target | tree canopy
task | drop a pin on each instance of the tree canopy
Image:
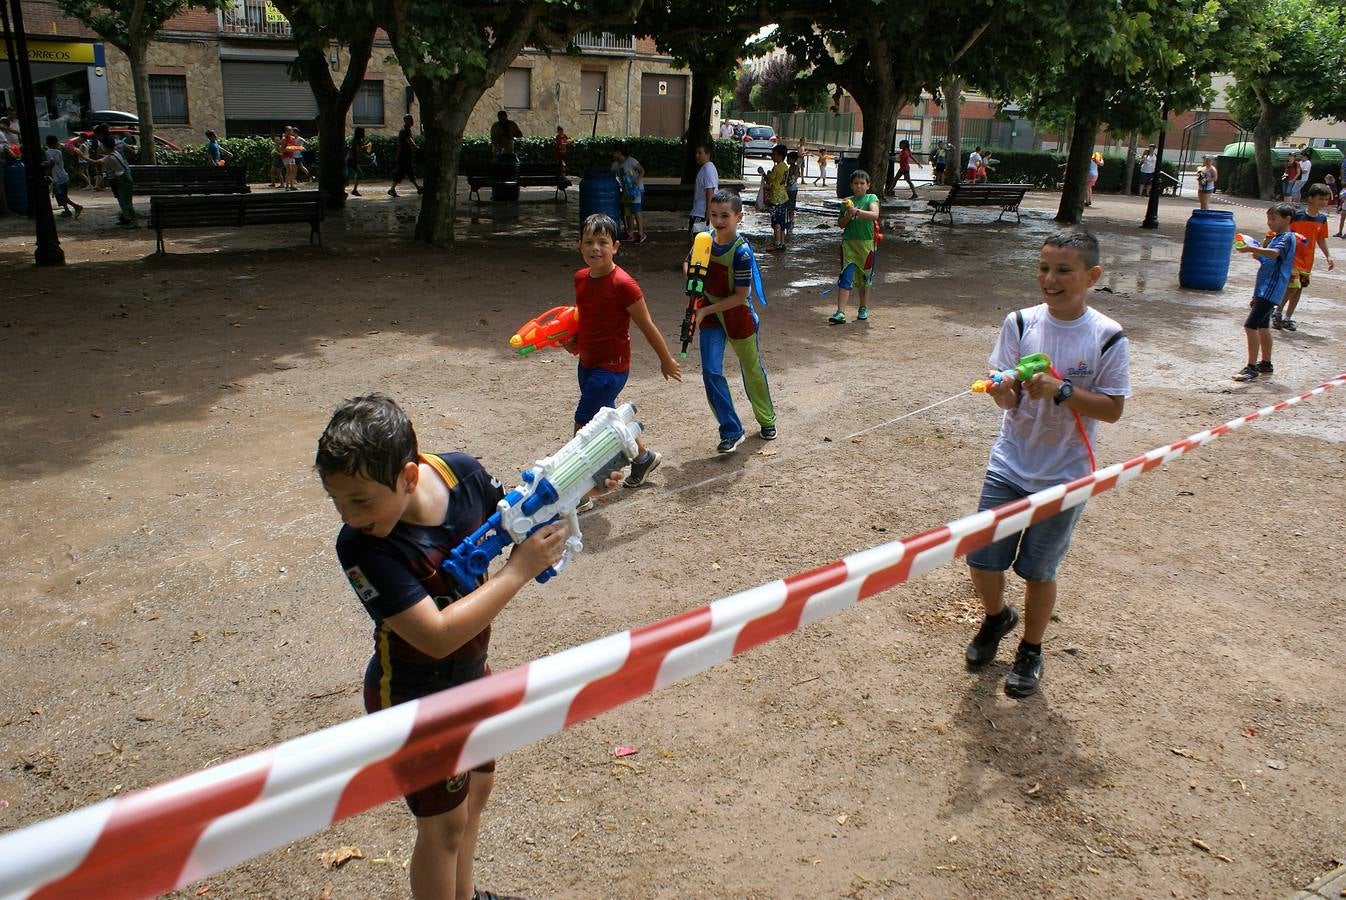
(1292, 68)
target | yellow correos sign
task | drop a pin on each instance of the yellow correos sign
(58, 52)
(275, 16)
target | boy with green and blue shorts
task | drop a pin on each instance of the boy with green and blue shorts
(858, 217)
(728, 318)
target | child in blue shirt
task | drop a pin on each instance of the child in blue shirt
(1277, 260)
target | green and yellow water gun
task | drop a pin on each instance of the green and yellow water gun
(1028, 367)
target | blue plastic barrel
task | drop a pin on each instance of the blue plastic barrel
(1206, 246)
(600, 192)
(16, 186)
(845, 169)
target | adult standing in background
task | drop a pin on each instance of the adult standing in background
(503, 134)
(1149, 161)
(1305, 166)
(406, 157)
(707, 183)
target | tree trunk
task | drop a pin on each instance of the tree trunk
(1073, 191)
(140, 80)
(333, 105)
(953, 123)
(876, 143)
(445, 107)
(1262, 141)
(698, 123)
(1130, 172)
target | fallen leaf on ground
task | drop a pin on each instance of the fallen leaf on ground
(841, 819)
(1200, 844)
(1035, 789)
(1183, 751)
(335, 859)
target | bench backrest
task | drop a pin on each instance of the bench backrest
(189, 179)
(989, 193)
(235, 209)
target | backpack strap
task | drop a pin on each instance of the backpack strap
(1019, 320)
(1114, 338)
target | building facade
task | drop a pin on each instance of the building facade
(229, 72)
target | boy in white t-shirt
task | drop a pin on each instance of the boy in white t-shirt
(1045, 439)
(707, 183)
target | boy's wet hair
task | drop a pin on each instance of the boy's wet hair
(1284, 210)
(370, 437)
(597, 224)
(861, 173)
(1318, 190)
(1082, 242)
(724, 195)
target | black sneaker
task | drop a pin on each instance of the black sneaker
(729, 445)
(768, 432)
(1276, 321)
(1265, 367)
(641, 467)
(1022, 681)
(1290, 325)
(983, 648)
(1247, 373)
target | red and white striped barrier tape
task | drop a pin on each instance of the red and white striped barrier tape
(164, 837)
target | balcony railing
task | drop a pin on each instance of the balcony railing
(604, 42)
(254, 17)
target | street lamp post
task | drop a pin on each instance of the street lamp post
(1152, 208)
(48, 252)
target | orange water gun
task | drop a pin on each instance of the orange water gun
(554, 328)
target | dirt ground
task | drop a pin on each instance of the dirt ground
(172, 599)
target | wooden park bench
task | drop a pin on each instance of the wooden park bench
(235, 211)
(1006, 196)
(177, 180)
(515, 175)
(667, 197)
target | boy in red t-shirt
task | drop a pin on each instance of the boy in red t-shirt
(1310, 223)
(608, 299)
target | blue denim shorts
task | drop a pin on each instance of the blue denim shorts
(598, 388)
(1037, 551)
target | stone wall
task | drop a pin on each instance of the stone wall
(550, 107)
(554, 95)
(199, 61)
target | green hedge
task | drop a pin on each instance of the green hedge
(661, 157)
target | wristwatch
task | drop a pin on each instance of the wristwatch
(1065, 393)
